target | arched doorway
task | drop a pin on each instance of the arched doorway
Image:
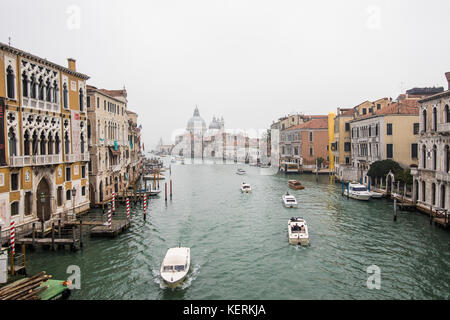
(43, 200)
(100, 190)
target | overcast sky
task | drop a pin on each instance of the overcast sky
(249, 61)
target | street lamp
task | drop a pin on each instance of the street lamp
(74, 192)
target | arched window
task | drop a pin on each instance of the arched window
(434, 157)
(433, 194)
(447, 113)
(443, 204)
(424, 157)
(434, 119)
(65, 98)
(423, 191)
(12, 142)
(81, 99)
(82, 143)
(67, 143)
(57, 144)
(34, 143)
(43, 142)
(10, 87)
(26, 143)
(89, 129)
(55, 92)
(41, 88)
(25, 85)
(50, 144)
(447, 158)
(33, 87)
(424, 120)
(48, 91)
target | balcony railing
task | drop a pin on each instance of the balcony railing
(77, 157)
(444, 127)
(37, 160)
(42, 105)
(443, 176)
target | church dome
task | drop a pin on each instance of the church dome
(196, 123)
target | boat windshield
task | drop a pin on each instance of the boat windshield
(245, 187)
(359, 189)
(168, 268)
(179, 268)
(290, 200)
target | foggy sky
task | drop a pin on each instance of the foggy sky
(248, 61)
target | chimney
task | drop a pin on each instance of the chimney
(71, 63)
(447, 75)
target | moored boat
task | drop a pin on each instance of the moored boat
(175, 266)
(357, 191)
(298, 231)
(375, 195)
(240, 171)
(296, 185)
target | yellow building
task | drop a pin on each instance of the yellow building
(43, 162)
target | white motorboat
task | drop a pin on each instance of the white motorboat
(240, 171)
(357, 191)
(298, 231)
(175, 266)
(245, 188)
(289, 200)
(375, 195)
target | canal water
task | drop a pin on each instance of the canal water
(239, 245)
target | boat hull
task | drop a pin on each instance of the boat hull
(174, 284)
(299, 241)
(363, 197)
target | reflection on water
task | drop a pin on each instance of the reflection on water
(239, 244)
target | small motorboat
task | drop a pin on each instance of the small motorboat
(175, 266)
(357, 191)
(151, 192)
(245, 188)
(298, 231)
(289, 200)
(240, 171)
(375, 195)
(296, 185)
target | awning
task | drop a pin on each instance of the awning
(114, 152)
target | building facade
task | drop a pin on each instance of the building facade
(432, 177)
(108, 143)
(44, 150)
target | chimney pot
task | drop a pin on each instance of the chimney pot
(72, 64)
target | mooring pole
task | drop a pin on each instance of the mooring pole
(170, 189)
(53, 236)
(348, 189)
(81, 233)
(343, 187)
(395, 209)
(33, 234)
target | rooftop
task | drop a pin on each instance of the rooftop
(321, 123)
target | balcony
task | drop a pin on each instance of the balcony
(40, 105)
(443, 176)
(116, 168)
(77, 157)
(444, 128)
(38, 160)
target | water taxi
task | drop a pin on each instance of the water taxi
(175, 266)
(298, 231)
(296, 185)
(289, 200)
(357, 191)
(245, 188)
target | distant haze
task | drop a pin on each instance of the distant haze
(248, 61)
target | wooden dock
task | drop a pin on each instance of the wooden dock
(117, 227)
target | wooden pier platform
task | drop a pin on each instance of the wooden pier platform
(48, 242)
(117, 227)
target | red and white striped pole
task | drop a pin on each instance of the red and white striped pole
(109, 218)
(12, 241)
(128, 209)
(145, 204)
(114, 202)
